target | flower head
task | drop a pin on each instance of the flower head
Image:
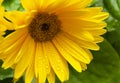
(50, 34)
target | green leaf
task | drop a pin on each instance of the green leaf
(21, 80)
(113, 7)
(7, 80)
(12, 5)
(103, 69)
(97, 3)
(10, 80)
(113, 23)
(113, 38)
(5, 73)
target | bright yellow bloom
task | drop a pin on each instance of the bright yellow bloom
(50, 34)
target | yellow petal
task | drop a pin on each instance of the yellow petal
(6, 25)
(21, 18)
(57, 62)
(22, 64)
(89, 53)
(1, 1)
(2, 28)
(83, 43)
(51, 77)
(43, 4)
(74, 49)
(11, 39)
(84, 66)
(82, 13)
(29, 74)
(71, 5)
(75, 63)
(9, 61)
(55, 6)
(98, 32)
(2, 10)
(29, 4)
(101, 16)
(98, 39)
(10, 55)
(22, 50)
(30, 71)
(1, 37)
(79, 3)
(84, 35)
(42, 67)
(82, 24)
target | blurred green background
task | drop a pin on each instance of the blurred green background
(105, 67)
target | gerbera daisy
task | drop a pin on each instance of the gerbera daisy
(50, 34)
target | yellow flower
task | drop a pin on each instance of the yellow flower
(50, 34)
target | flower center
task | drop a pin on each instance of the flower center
(44, 26)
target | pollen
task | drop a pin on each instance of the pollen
(44, 27)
